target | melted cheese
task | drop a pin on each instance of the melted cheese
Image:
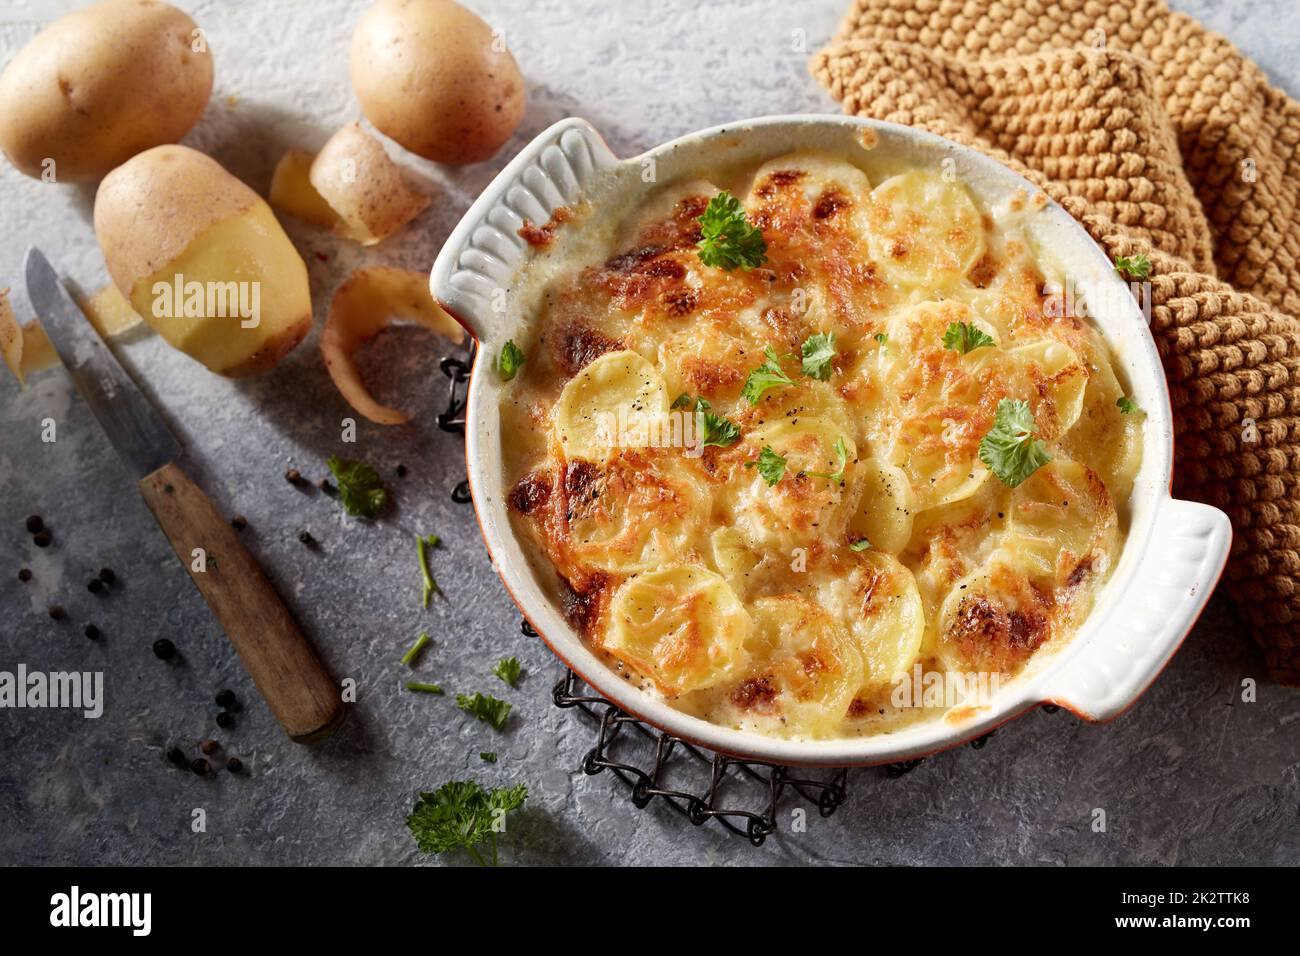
(793, 603)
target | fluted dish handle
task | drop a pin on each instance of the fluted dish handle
(1164, 595)
(483, 253)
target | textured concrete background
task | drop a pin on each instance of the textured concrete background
(1192, 775)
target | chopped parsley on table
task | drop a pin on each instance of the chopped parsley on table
(486, 708)
(422, 546)
(508, 670)
(360, 489)
(462, 815)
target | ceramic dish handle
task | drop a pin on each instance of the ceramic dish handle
(472, 275)
(1166, 593)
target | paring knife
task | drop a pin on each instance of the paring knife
(281, 662)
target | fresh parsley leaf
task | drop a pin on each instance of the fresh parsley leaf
(413, 652)
(508, 670)
(1010, 449)
(964, 338)
(818, 353)
(719, 431)
(728, 241)
(508, 362)
(1127, 405)
(1133, 267)
(683, 401)
(462, 815)
(422, 546)
(860, 545)
(715, 429)
(842, 453)
(770, 465)
(881, 338)
(487, 756)
(486, 708)
(767, 376)
(424, 688)
(360, 489)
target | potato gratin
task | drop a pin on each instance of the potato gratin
(789, 451)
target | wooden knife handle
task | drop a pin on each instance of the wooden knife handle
(278, 657)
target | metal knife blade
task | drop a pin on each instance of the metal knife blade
(133, 426)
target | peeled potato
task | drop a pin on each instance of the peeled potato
(26, 349)
(202, 259)
(436, 78)
(350, 186)
(100, 85)
(362, 308)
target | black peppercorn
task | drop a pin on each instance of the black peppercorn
(234, 765)
(326, 486)
(95, 585)
(401, 471)
(42, 538)
(24, 574)
(35, 524)
(58, 613)
(92, 632)
(224, 720)
(225, 697)
(239, 522)
(306, 538)
(209, 746)
(201, 767)
(177, 756)
(293, 476)
(107, 576)
(164, 649)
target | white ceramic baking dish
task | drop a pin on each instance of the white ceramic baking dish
(1175, 549)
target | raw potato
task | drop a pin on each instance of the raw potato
(362, 308)
(100, 85)
(172, 216)
(350, 186)
(27, 349)
(434, 77)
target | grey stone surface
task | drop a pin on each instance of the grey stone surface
(1190, 775)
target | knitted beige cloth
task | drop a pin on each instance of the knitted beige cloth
(1161, 138)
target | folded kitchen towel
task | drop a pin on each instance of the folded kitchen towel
(1160, 138)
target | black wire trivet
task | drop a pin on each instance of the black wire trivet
(655, 764)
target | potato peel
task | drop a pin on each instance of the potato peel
(364, 306)
(351, 186)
